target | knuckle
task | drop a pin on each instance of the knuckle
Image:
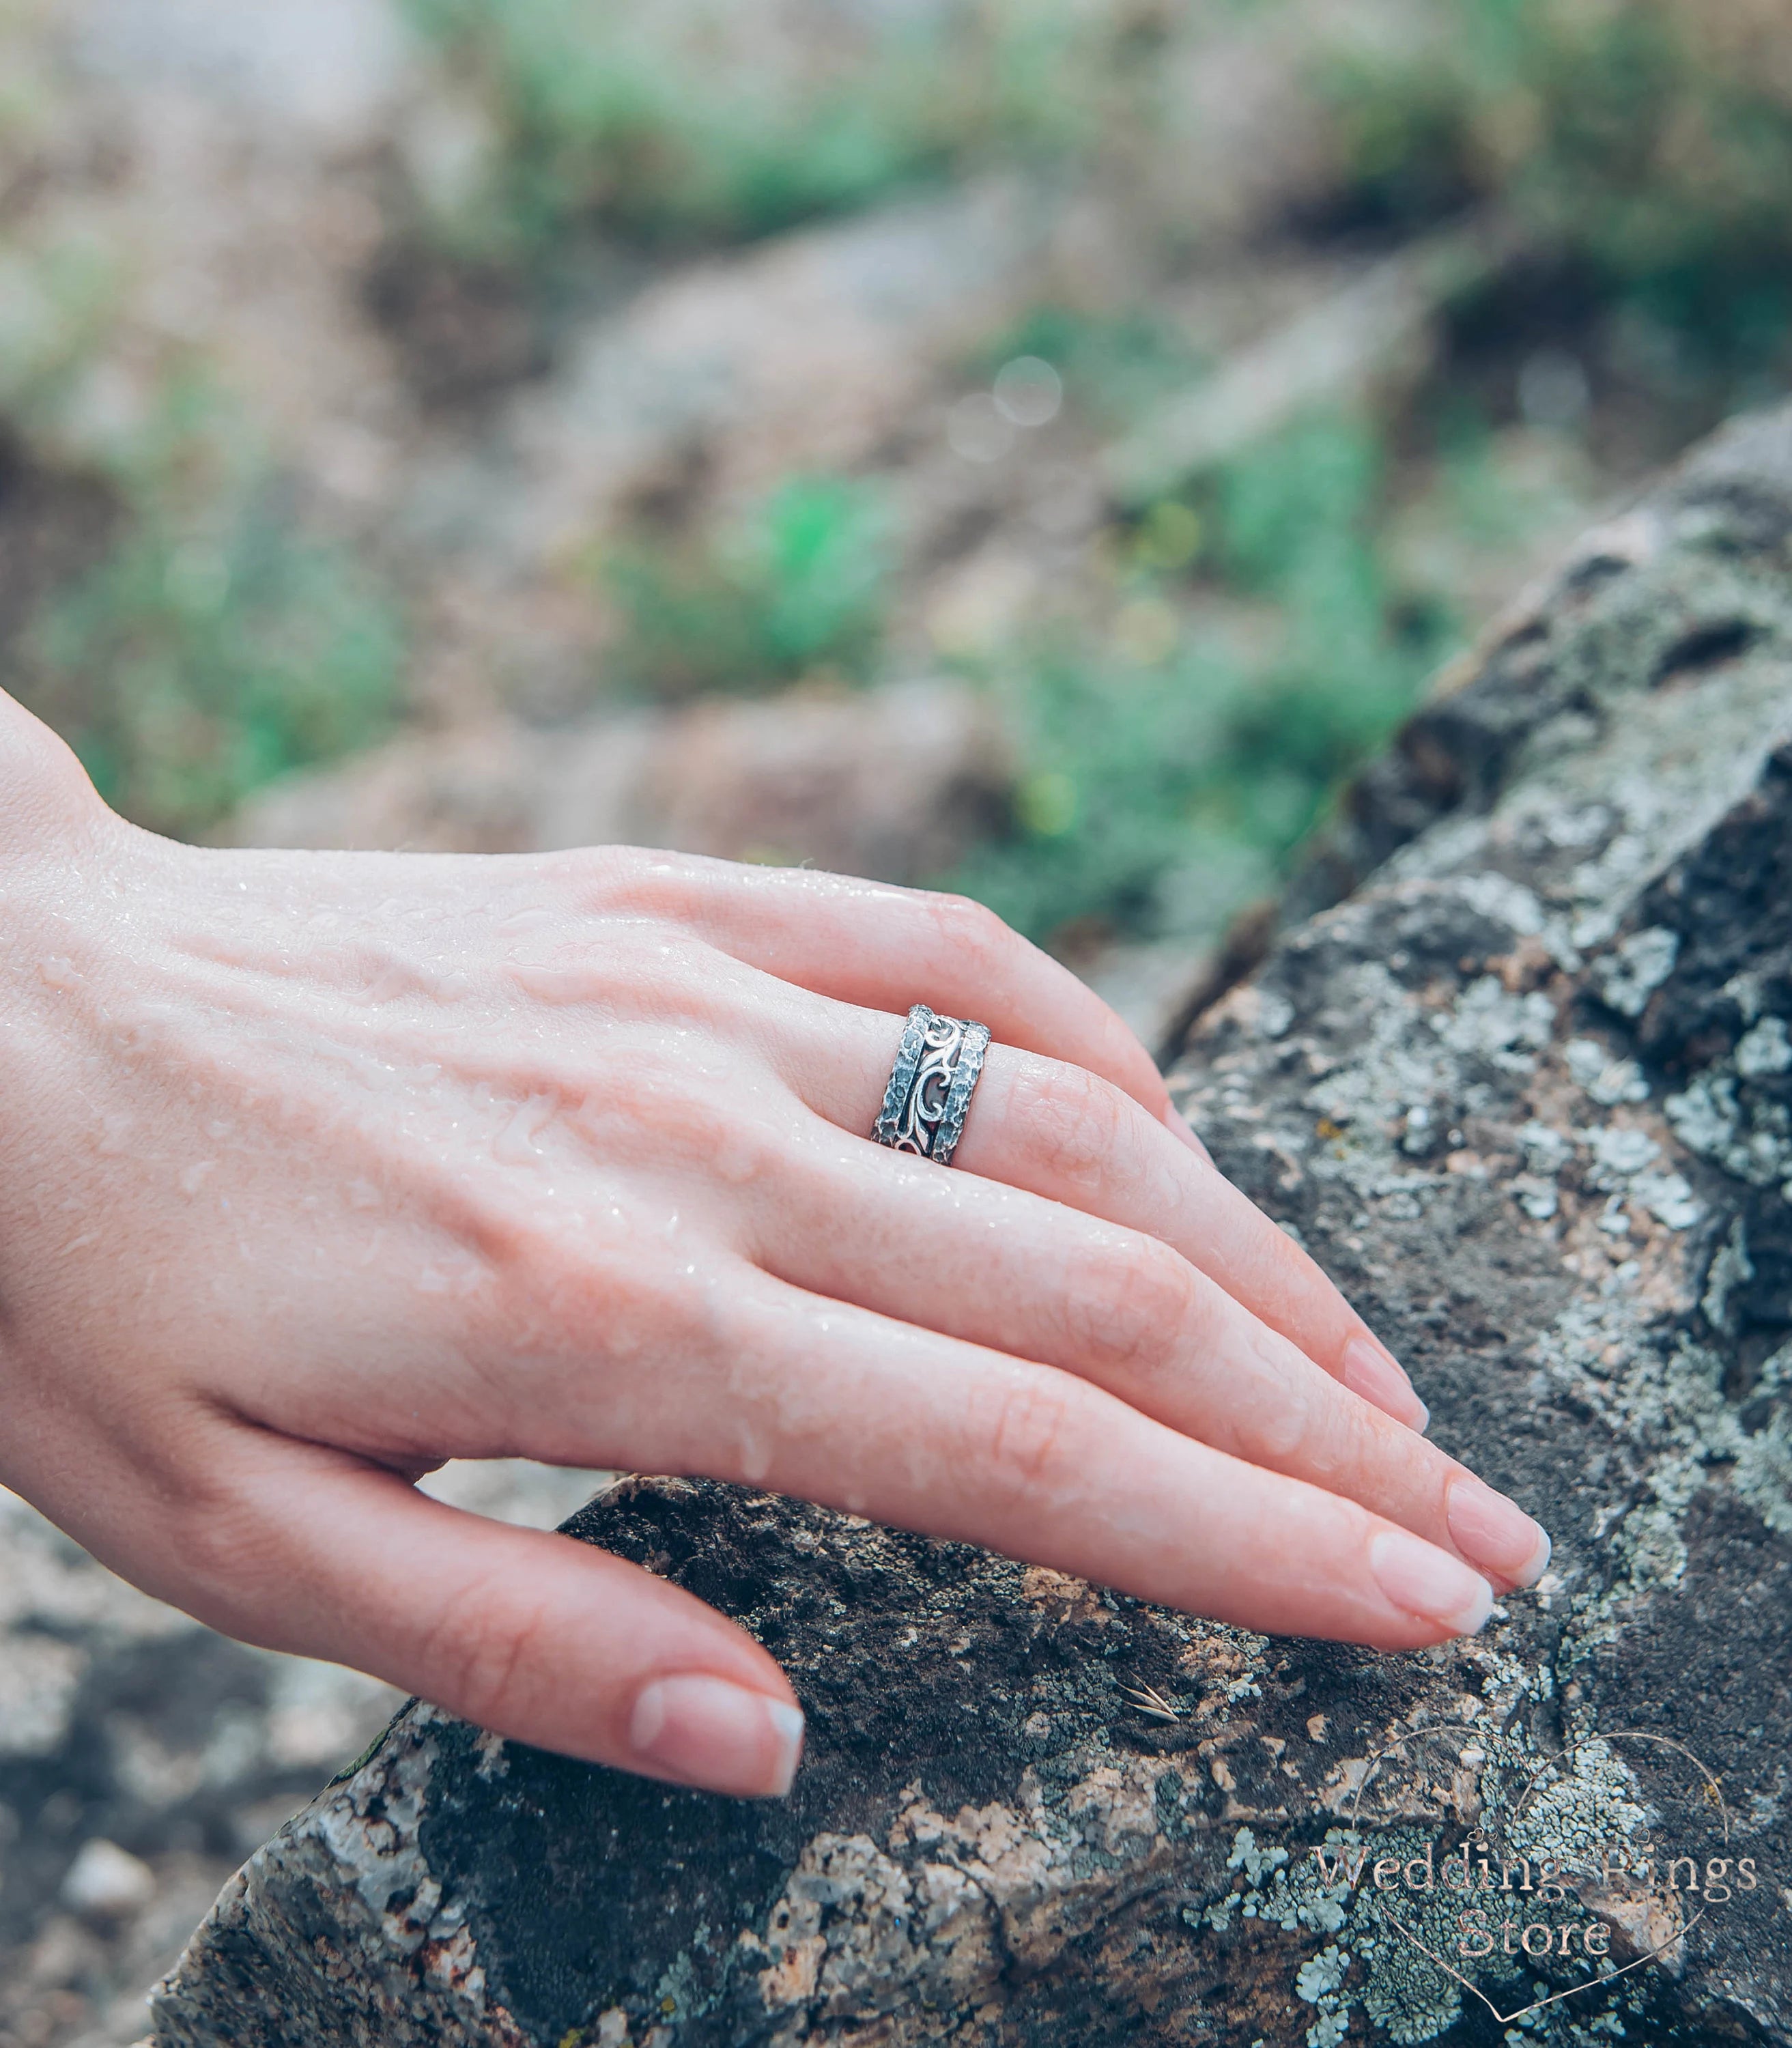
(628, 1302)
(725, 1140)
(1132, 1309)
(967, 926)
(479, 1657)
(1030, 1435)
(1074, 1122)
(1333, 1436)
(229, 1559)
(602, 875)
(638, 881)
(1291, 1430)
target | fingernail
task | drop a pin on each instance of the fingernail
(1420, 1580)
(1495, 1533)
(1185, 1131)
(704, 1731)
(1370, 1369)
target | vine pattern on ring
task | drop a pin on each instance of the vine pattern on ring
(937, 1064)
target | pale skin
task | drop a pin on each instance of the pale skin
(318, 1169)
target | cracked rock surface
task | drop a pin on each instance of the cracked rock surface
(1523, 1083)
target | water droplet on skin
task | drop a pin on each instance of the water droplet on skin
(557, 985)
(60, 973)
(516, 1144)
(115, 1129)
(456, 1273)
(194, 1178)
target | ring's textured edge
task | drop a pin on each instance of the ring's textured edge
(964, 1074)
(901, 1076)
(901, 1124)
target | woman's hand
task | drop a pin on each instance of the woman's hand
(317, 1170)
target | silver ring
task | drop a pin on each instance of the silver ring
(937, 1064)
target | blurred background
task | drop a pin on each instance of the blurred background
(1032, 447)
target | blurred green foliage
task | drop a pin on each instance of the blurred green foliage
(56, 306)
(1113, 365)
(1646, 146)
(214, 645)
(1161, 792)
(795, 587)
(1643, 147)
(690, 120)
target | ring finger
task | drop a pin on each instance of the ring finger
(1061, 1132)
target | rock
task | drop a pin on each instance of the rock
(895, 782)
(331, 70)
(106, 1882)
(807, 352)
(1528, 1093)
(1371, 335)
(142, 1757)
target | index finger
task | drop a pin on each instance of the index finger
(1086, 1121)
(881, 947)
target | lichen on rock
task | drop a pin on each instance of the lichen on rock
(1526, 1090)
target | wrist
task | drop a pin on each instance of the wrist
(47, 802)
(56, 848)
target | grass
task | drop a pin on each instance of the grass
(1114, 365)
(1168, 771)
(691, 121)
(793, 589)
(1646, 146)
(1170, 767)
(1160, 793)
(216, 645)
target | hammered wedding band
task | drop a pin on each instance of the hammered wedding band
(937, 1064)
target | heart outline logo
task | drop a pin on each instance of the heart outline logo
(1537, 2005)
(1713, 1792)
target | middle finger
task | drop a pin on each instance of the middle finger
(1000, 1266)
(1056, 1130)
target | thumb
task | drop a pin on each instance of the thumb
(533, 1635)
